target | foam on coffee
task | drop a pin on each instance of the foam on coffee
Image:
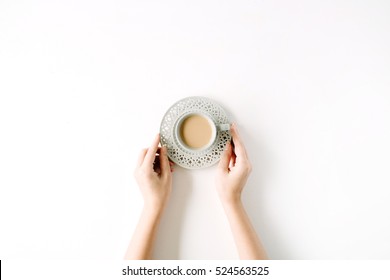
(195, 131)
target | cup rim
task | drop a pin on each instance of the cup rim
(178, 134)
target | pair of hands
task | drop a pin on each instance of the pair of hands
(154, 173)
(154, 176)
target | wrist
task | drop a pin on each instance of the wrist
(154, 206)
(232, 207)
(231, 200)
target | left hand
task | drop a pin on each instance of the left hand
(153, 175)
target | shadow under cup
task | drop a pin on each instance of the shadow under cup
(195, 131)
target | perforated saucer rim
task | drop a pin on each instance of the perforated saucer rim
(194, 159)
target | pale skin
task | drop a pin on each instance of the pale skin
(154, 177)
(234, 169)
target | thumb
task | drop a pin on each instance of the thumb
(225, 158)
(164, 162)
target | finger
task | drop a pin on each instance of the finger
(156, 164)
(164, 162)
(141, 157)
(233, 159)
(151, 153)
(171, 165)
(239, 148)
(225, 158)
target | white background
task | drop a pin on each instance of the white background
(84, 85)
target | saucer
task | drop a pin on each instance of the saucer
(194, 159)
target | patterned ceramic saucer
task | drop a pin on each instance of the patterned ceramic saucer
(194, 159)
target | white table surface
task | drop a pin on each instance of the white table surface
(84, 85)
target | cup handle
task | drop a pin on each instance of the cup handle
(224, 126)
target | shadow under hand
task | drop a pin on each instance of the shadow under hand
(168, 239)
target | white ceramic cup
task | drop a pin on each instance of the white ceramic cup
(214, 129)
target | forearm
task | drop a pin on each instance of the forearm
(247, 242)
(141, 244)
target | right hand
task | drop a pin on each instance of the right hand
(234, 169)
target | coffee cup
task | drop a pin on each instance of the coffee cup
(196, 131)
